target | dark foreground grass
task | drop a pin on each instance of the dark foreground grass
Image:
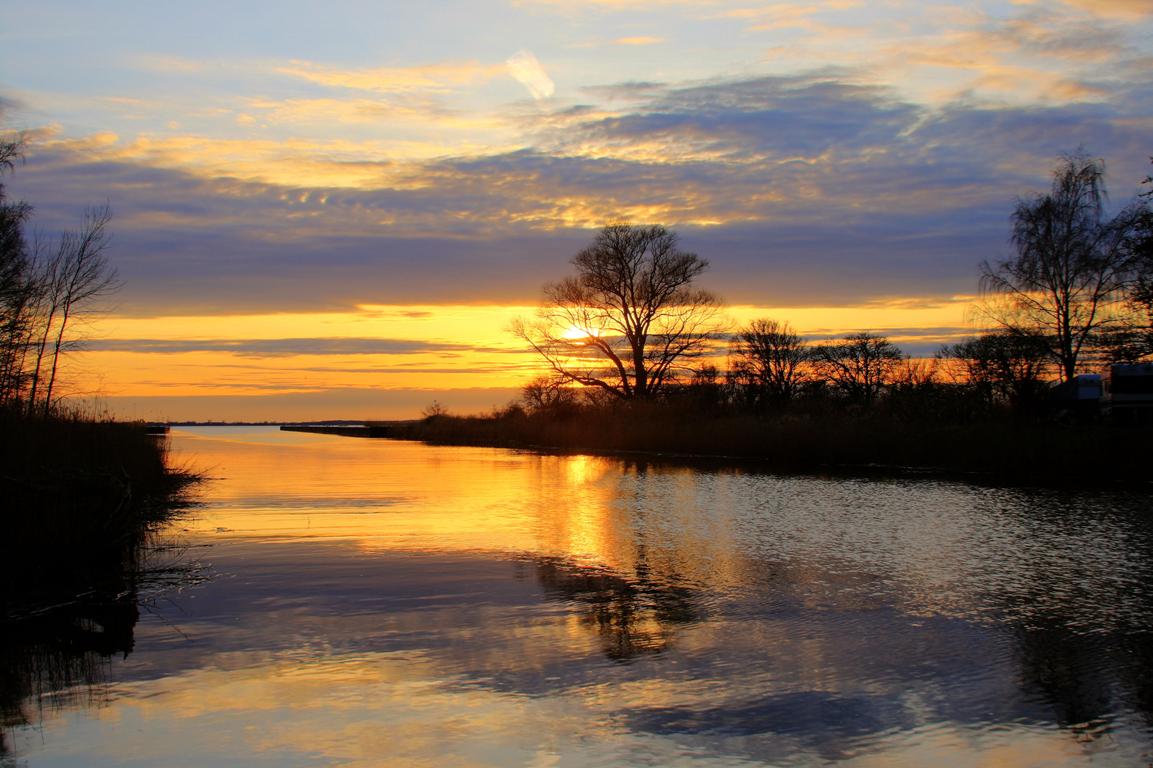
(1000, 450)
(80, 497)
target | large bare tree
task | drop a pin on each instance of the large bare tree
(630, 319)
(1071, 266)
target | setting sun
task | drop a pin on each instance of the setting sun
(575, 333)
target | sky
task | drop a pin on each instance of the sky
(336, 210)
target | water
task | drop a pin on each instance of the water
(368, 602)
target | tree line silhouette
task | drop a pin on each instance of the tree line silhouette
(638, 358)
(1076, 295)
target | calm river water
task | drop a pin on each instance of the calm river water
(378, 603)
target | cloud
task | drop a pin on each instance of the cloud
(639, 40)
(781, 16)
(780, 181)
(525, 68)
(615, 5)
(1044, 55)
(8, 104)
(174, 65)
(439, 77)
(632, 90)
(310, 164)
(1123, 9)
(1035, 53)
(373, 402)
(280, 347)
(1050, 34)
(742, 120)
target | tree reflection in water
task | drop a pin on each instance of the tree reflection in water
(1087, 680)
(633, 616)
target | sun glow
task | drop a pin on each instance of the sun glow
(577, 333)
(324, 364)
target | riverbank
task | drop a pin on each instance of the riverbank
(80, 499)
(1044, 453)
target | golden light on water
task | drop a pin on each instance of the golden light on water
(384, 496)
(494, 607)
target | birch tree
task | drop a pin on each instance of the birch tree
(1071, 266)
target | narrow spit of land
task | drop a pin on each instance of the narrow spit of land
(375, 429)
(1053, 454)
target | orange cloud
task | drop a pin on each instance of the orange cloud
(1119, 9)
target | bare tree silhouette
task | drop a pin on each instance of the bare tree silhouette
(1071, 266)
(77, 274)
(629, 320)
(768, 359)
(860, 365)
(1002, 367)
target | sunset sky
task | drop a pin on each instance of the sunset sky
(335, 210)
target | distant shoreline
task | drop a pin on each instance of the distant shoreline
(1052, 455)
(278, 423)
(375, 429)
